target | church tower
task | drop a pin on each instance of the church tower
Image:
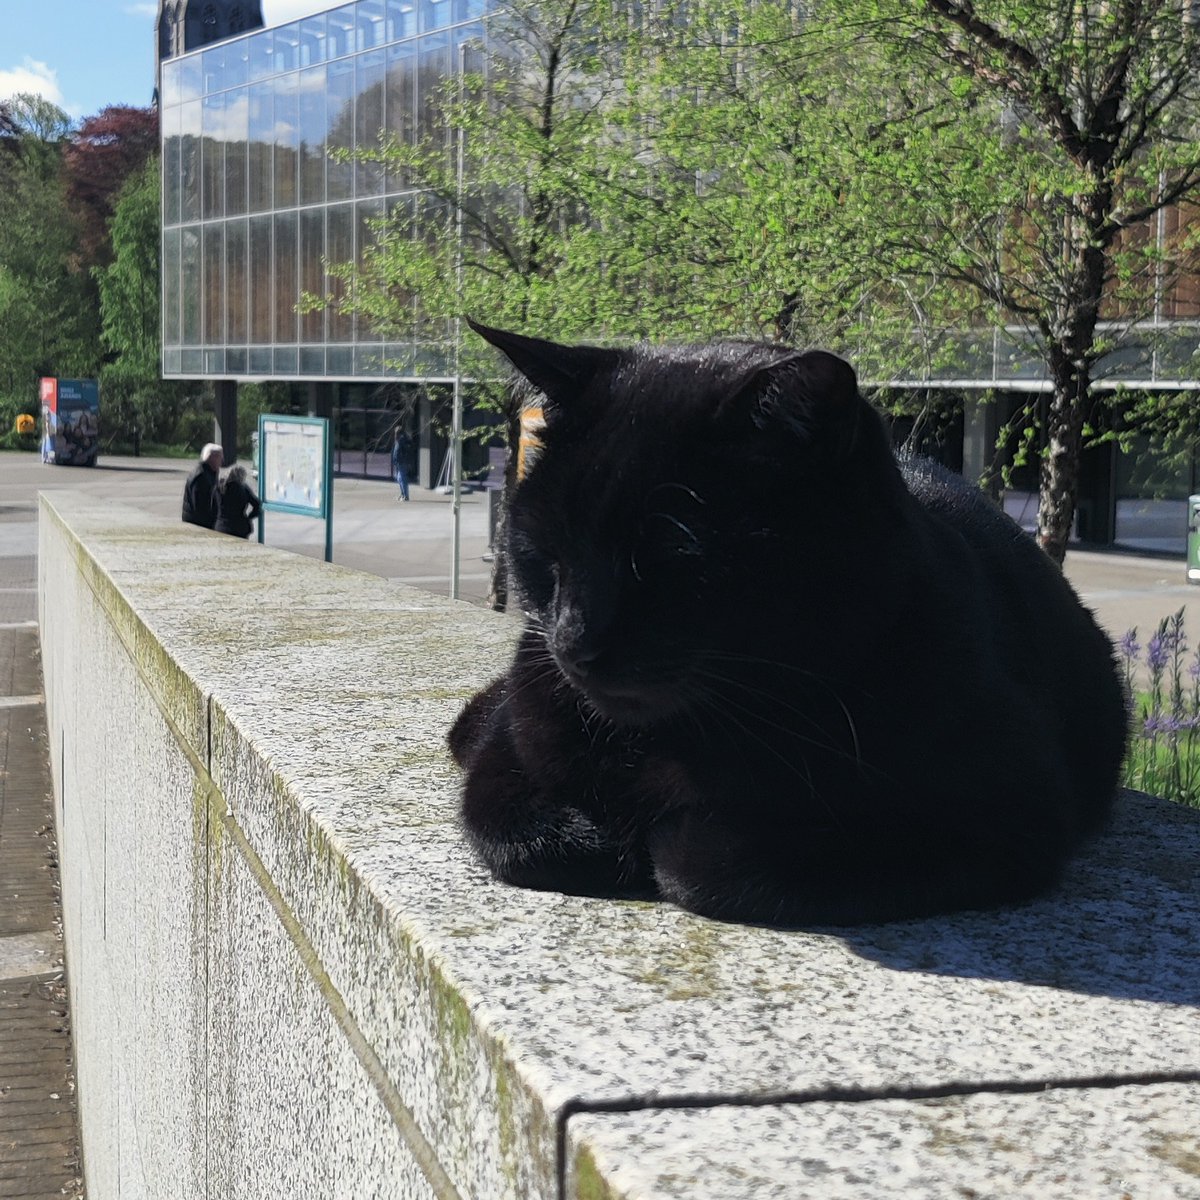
(189, 24)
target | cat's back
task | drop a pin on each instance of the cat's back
(1037, 631)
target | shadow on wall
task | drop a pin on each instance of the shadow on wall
(1125, 922)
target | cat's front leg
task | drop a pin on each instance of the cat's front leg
(530, 834)
(541, 805)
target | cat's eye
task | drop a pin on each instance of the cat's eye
(665, 543)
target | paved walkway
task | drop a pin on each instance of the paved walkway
(39, 1146)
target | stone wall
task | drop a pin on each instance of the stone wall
(289, 978)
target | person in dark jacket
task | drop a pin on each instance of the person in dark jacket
(400, 446)
(237, 505)
(200, 491)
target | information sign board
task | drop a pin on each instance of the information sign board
(295, 469)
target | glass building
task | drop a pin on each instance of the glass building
(260, 191)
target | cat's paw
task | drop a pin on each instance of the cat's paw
(468, 731)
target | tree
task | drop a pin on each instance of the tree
(1026, 146)
(527, 118)
(47, 322)
(105, 151)
(139, 405)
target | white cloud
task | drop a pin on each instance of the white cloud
(33, 77)
(278, 12)
(142, 10)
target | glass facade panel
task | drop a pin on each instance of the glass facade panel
(189, 161)
(237, 137)
(189, 275)
(285, 48)
(312, 136)
(214, 283)
(172, 150)
(170, 91)
(286, 278)
(369, 82)
(172, 333)
(341, 250)
(341, 39)
(371, 24)
(261, 148)
(339, 142)
(262, 320)
(401, 19)
(261, 54)
(287, 140)
(262, 191)
(312, 271)
(312, 40)
(237, 314)
(212, 158)
(400, 107)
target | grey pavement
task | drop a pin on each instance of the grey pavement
(373, 532)
(411, 543)
(39, 1143)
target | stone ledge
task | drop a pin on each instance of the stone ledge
(496, 1029)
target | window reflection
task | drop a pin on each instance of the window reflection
(237, 317)
(340, 39)
(262, 324)
(286, 125)
(214, 283)
(171, 333)
(260, 53)
(312, 273)
(261, 149)
(236, 127)
(341, 250)
(287, 279)
(370, 23)
(312, 41)
(340, 138)
(369, 82)
(312, 136)
(212, 158)
(285, 48)
(401, 19)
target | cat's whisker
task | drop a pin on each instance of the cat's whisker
(679, 487)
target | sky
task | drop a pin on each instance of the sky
(84, 55)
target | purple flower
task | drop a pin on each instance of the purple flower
(1130, 649)
(1152, 724)
(1194, 666)
(1157, 652)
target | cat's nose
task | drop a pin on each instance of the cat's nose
(578, 660)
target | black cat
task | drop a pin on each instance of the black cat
(767, 672)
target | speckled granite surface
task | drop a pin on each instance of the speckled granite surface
(317, 701)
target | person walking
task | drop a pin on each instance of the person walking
(400, 447)
(237, 505)
(200, 491)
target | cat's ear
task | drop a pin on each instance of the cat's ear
(809, 392)
(558, 372)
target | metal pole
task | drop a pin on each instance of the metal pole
(457, 414)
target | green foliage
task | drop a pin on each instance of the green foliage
(47, 319)
(129, 286)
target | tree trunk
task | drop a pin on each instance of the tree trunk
(1058, 484)
(498, 589)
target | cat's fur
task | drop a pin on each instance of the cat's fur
(768, 673)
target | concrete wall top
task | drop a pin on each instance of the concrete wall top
(548, 1045)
